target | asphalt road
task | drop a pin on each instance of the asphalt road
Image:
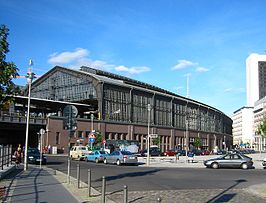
(139, 178)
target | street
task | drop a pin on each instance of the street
(139, 178)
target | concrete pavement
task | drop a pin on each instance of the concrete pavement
(43, 185)
(34, 185)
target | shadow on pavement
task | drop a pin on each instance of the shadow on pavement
(222, 197)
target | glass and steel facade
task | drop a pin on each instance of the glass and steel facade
(171, 114)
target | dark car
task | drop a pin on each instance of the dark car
(181, 152)
(230, 161)
(34, 156)
(154, 151)
(264, 163)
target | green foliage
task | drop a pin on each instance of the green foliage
(262, 128)
(156, 141)
(8, 70)
(197, 142)
(98, 138)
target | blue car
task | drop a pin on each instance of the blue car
(96, 156)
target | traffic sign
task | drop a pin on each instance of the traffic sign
(153, 136)
(70, 111)
(91, 135)
(42, 131)
(104, 141)
(92, 139)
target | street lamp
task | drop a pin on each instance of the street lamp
(187, 139)
(30, 76)
(148, 137)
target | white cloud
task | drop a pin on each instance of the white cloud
(183, 64)
(80, 57)
(132, 70)
(68, 57)
(201, 69)
(235, 90)
(230, 89)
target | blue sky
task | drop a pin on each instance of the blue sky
(155, 41)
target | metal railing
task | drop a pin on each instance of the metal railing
(17, 118)
(5, 156)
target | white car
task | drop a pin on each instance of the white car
(79, 152)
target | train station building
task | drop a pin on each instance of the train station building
(122, 109)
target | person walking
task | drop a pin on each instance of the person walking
(18, 155)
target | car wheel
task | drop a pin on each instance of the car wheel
(96, 160)
(105, 161)
(215, 165)
(118, 163)
(244, 166)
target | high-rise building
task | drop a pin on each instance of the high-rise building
(243, 126)
(256, 78)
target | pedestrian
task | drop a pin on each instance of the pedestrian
(18, 155)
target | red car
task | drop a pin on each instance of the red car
(169, 153)
(205, 152)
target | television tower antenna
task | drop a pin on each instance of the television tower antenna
(188, 75)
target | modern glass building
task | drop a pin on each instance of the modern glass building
(120, 108)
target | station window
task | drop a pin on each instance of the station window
(57, 138)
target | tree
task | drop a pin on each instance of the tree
(98, 138)
(8, 70)
(197, 142)
(262, 128)
(156, 141)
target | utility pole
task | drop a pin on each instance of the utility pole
(30, 76)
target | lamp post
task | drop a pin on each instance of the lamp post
(148, 137)
(30, 76)
(187, 139)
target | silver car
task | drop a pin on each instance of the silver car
(121, 157)
(230, 161)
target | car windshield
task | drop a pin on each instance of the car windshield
(126, 153)
(102, 152)
(247, 157)
(83, 148)
(33, 151)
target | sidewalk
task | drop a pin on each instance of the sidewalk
(34, 185)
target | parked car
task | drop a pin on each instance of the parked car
(169, 153)
(154, 151)
(196, 152)
(79, 152)
(230, 161)
(121, 157)
(181, 152)
(34, 156)
(205, 152)
(96, 156)
(264, 163)
(221, 152)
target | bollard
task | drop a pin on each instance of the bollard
(89, 182)
(159, 199)
(78, 175)
(55, 172)
(103, 189)
(125, 194)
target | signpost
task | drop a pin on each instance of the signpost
(153, 136)
(42, 131)
(92, 138)
(70, 113)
